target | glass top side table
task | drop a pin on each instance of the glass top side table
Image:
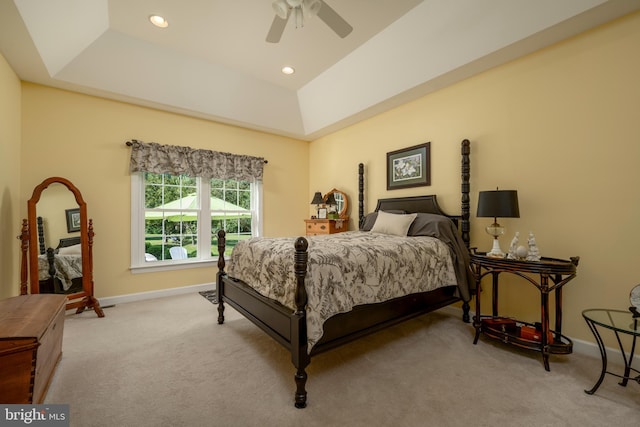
(618, 321)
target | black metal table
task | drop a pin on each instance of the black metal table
(620, 322)
(548, 275)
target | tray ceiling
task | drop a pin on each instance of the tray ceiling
(213, 61)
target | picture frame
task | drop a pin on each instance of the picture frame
(409, 167)
(322, 213)
(73, 220)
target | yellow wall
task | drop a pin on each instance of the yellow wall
(82, 138)
(9, 181)
(562, 127)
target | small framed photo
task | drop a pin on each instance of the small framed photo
(73, 220)
(322, 213)
(409, 167)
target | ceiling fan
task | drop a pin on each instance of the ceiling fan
(301, 10)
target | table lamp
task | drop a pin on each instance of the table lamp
(497, 204)
(317, 200)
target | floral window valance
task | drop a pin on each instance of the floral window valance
(175, 160)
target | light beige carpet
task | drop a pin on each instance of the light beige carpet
(166, 362)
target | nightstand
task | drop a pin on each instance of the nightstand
(620, 322)
(553, 275)
(317, 227)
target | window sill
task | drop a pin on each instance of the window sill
(155, 266)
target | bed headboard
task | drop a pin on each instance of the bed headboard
(425, 204)
(68, 241)
(428, 204)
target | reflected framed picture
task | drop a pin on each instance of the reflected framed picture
(322, 213)
(409, 167)
(73, 220)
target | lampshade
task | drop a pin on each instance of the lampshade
(498, 204)
(331, 200)
(317, 199)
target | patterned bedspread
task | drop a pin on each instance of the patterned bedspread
(344, 270)
(68, 267)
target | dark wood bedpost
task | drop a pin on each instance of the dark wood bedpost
(222, 242)
(299, 355)
(466, 173)
(24, 247)
(360, 194)
(41, 246)
(465, 223)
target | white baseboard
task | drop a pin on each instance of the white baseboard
(121, 299)
(585, 348)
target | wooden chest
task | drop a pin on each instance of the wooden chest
(31, 328)
(315, 227)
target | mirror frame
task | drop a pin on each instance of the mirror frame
(79, 300)
(345, 208)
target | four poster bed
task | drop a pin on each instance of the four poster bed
(313, 294)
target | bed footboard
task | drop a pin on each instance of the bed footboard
(286, 327)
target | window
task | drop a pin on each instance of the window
(175, 219)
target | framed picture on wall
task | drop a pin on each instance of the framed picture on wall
(73, 220)
(409, 167)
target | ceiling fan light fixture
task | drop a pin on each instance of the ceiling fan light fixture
(281, 8)
(159, 21)
(294, 3)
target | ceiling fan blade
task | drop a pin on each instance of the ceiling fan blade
(277, 28)
(334, 21)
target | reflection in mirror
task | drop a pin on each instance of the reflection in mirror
(59, 238)
(59, 248)
(342, 203)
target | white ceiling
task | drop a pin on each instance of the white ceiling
(213, 61)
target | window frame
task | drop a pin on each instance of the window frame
(138, 263)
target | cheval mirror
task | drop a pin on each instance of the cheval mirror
(57, 242)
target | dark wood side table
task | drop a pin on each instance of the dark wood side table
(552, 274)
(619, 322)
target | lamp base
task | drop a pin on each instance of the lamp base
(496, 252)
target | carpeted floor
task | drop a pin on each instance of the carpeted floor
(166, 362)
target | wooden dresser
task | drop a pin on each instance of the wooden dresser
(31, 328)
(316, 227)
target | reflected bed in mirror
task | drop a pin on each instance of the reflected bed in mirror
(59, 268)
(60, 258)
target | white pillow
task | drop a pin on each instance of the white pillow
(71, 250)
(397, 225)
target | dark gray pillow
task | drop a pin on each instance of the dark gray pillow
(370, 218)
(428, 224)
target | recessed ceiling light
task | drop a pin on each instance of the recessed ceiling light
(159, 21)
(288, 70)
